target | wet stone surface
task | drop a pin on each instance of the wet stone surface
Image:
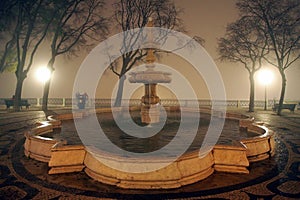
(274, 178)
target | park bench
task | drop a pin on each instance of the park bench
(10, 102)
(290, 106)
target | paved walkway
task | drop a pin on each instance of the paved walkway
(274, 178)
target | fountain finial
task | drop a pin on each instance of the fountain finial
(150, 58)
(150, 22)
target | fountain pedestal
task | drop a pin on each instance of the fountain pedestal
(150, 96)
(150, 111)
(150, 114)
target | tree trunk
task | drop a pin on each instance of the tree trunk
(47, 85)
(252, 87)
(46, 94)
(283, 85)
(118, 100)
(18, 93)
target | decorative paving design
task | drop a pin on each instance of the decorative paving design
(275, 178)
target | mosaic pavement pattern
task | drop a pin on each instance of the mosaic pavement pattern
(274, 178)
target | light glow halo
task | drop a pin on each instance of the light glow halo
(43, 74)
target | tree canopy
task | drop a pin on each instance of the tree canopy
(131, 14)
(25, 24)
(279, 21)
(77, 25)
(244, 45)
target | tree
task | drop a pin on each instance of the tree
(279, 20)
(77, 23)
(246, 44)
(28, 29)
(130, 14)
(7, 16)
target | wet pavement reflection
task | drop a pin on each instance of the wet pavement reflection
(274, 178)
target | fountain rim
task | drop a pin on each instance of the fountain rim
(55, 121)
(187, 169)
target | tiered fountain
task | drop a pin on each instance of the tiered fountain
(150, 109)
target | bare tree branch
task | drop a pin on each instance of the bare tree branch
(279, 21)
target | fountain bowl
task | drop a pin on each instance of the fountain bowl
(64, 157)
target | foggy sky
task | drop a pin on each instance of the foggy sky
(205, 18)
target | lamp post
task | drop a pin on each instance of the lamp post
(43, 74)
(265, 76)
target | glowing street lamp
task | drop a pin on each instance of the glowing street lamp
(43, 74)
(265, 77)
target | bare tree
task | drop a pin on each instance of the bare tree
(280, 22)
(77, 24)
(130, 14)
(7, 14)
(8, 17)
(31, 23)
(246, 44)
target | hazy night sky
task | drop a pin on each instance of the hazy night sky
(205, 18)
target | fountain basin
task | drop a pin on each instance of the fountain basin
(186, 170)
(189, 168)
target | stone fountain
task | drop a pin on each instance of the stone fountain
(150, 109)
(47, 142)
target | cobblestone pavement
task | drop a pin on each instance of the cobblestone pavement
(274, 178)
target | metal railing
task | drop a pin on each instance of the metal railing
(67, 102)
